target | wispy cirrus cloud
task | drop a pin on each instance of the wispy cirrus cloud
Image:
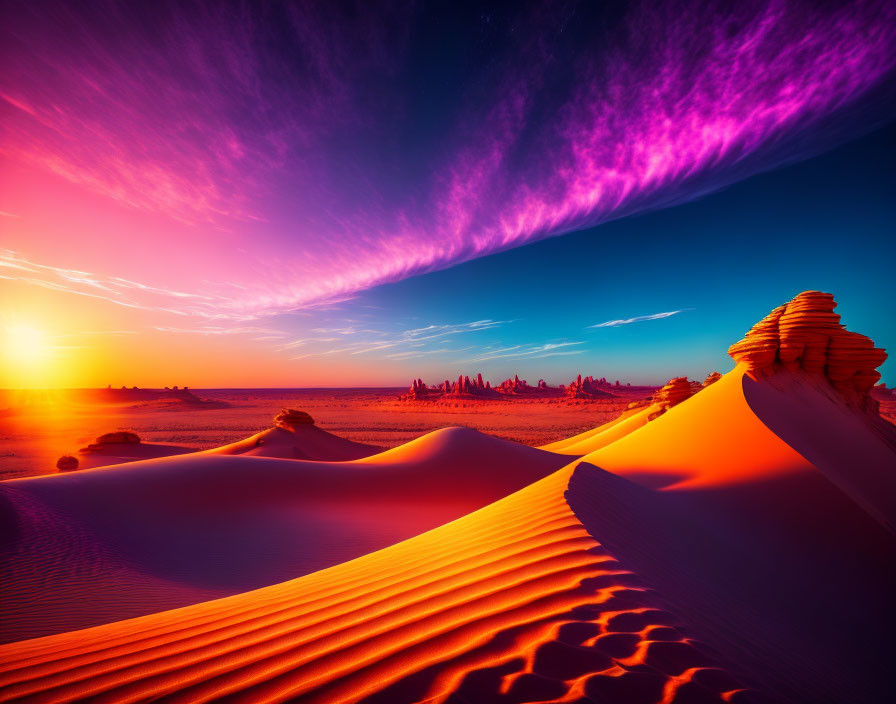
(89, 333)
(116, 290)
(638, 319)
(534, 350)
(397, 344)
(266, 333)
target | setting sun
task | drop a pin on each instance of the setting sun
(25, 344)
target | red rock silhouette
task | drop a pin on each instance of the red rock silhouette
(807, 334)
(67, 463)
(712, 378)
(587, 388)
(477, 387)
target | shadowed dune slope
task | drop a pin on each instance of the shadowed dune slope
(781, 563)
(515, 602)
(304, 442)
(854, 449)
(101, 545)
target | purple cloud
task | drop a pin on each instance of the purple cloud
(286, 141)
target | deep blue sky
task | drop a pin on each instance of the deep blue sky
(827, 224)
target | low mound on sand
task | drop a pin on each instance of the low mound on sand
(122, 446)
(164, 533)
(294, 436)
(121, 452)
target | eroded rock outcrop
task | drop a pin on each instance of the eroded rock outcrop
(418, 391)
(712, 378)
(806, 334)
(671, 394)
(290, 418)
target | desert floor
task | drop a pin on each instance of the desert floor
(38, 427)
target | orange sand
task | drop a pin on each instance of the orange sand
(697, 558)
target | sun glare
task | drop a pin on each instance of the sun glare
(24, 344)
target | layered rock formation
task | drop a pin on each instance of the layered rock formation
(115, 438)
(806, 334)
(290, 418)
(674, 392)
(671, 394)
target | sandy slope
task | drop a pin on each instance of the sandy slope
(603, 435)
(96, 546)
(515, 598)
(713, 438)
(571, 589)
(809, 417)
(121, 452)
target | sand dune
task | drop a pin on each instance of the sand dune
(769, 560)
(603, 435)
(159, 534)
(514, 599)
(307, 442)
(680, 578)
(711, 439)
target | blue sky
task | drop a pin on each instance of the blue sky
(724, 261)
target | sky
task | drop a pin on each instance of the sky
(345, 194)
